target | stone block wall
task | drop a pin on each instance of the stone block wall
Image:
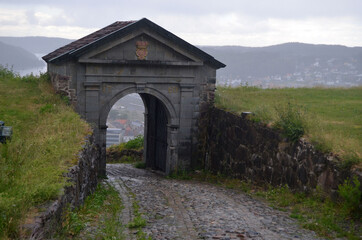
(62, 86)
(83, 179)
(235, 146)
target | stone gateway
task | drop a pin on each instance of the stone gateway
(175, 80)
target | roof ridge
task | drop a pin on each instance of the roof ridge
(77, 47)
(88, 39)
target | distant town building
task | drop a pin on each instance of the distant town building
(113, 136)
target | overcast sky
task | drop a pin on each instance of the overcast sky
(200, 22)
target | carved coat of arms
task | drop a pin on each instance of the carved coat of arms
(141, 50)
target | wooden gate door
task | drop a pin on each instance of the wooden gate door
(156, 134)
(161, 137)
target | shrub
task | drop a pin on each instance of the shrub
(180, 174)
(135, 143)
(140, 165)
(351, 195)
(7, 73)
(290, 121)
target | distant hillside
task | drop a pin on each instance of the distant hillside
(279, 59)
(18, 58)
(283, 65)
(42, 45)
(305, 64)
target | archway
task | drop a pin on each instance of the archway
(157, 128)
(138, 57)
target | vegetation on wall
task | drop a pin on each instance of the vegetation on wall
(47, 136)
(127, 152)
(291, 121)
(331, 118)
(134, 144)
(98, 218)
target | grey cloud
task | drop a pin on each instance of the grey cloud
(193, 16)
(97, 13)
(30, 17)
(9, 22)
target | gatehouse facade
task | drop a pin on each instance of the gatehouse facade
(174, 79)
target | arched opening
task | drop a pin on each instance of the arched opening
(125, 122)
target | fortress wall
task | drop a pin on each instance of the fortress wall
(236, 146)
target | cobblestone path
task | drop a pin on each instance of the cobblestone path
(177, 209)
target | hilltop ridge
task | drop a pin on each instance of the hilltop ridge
(291, 64)
(18, 58)
(34, 45)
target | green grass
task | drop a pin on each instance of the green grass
(136, 144)
(47, 135)
(329, 219)
(138, 222)
(179, 174)
(333, 116)
(315, 212)
(140, 165)
(98, 218)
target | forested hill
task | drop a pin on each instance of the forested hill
(18, 58)
(281, 59)
(42, 45)
(283, 65)
(18, 53)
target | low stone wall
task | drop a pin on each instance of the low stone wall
(114, 155)
(235, 146)
(83, 178)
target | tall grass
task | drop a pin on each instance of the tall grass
(47, 135)
(333, 116)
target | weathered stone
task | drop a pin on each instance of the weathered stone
(174, 79)
(262, 155)
(256, 159)
(302, 175)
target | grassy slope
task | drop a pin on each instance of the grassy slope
(47, 135)
(333, 116)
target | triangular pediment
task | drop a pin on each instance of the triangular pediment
(118, 42)
(141, 47)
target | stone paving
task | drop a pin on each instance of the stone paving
(189, 210)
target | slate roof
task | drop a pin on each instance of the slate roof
(86, 40)
(79, 46)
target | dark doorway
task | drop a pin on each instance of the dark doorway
(156, 133)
